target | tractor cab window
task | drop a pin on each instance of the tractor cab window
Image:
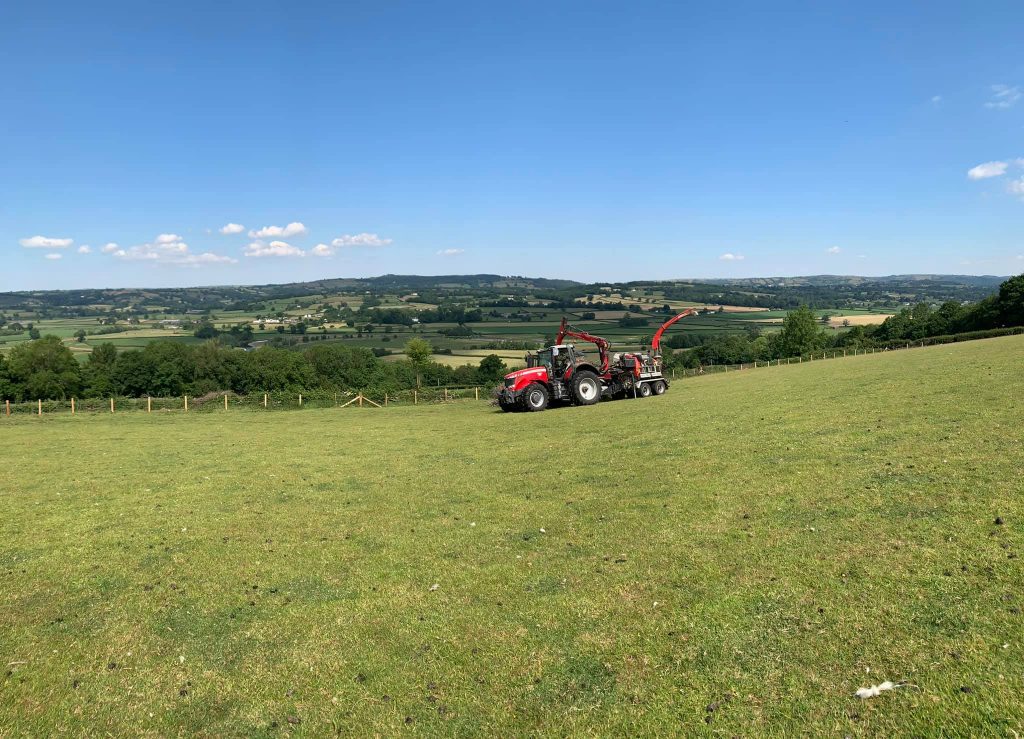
(544, 358)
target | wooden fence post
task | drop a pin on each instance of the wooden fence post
(40, 406)
(446, 395)
(186, 404)
(225, 401)
(264, 400)
(8, 407)
(415, 400)
(300, 400)
(149, 404)
(476, 393)
(360, 400)
(111, 404)
(72, 406)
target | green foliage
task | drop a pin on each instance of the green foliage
(418, 351)
(44, 368)
(800, 334)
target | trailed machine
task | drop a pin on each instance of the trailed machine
(562, 374)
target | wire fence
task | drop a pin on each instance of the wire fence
(283, 401)
(221, 401)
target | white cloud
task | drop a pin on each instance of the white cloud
(936, 99)
(85, 249)
(1016, 187)
(232, 228)
(727, 257)
(833, 250)
(1003, 97)
(292, 229)
(45, 242)
(273, 249)
(54, 256)
(363, 239)
(450, 252)
(986, 170)
(322, 250)
(166, 249)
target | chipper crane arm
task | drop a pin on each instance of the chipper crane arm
(656, 341)
(602, 344)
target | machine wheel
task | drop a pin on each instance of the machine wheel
(507, 407)
(660, 387)
(586, 388)
(644, 390)
(535, 398)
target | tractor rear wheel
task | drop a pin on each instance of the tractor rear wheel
(535, 398)
(586, 388)
(660, 387)
(644, 390)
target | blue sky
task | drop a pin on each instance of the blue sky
(590, 140)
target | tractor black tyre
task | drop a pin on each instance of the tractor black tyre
(644, 390)
(534, 398)
(586, 388)
(659, 387)
(507, 407)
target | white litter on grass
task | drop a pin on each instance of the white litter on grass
(543, 531)
(876, 690)
(434, 587)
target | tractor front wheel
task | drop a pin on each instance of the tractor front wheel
(586, 388)
(535, 398)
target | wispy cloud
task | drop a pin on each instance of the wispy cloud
(363, 239)
(273, 249)
(450, 252)
(85, 249)
(1003, 97)
(231, 228)
(166, 249)
(729, 257)
(833, 250)
(322, 250)
(1016, 187)
(45, 242)
(936, 99)
(986, 170)
(283, 232)
(54, 256)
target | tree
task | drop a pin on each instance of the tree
(80, 335)
(491, 368)
(206, 330)
(1011, 301)
(99, 370)
(45, 368)
(33, 333)
(418, 351)
(800, 333)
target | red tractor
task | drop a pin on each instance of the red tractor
(562, 374)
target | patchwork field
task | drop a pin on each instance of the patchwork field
(736, 557)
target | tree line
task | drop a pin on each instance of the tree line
(803, 334)
(48, 370)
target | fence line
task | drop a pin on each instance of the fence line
(219, 402)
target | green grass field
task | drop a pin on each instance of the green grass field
(736, 557)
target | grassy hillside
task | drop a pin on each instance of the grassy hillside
(736, 557)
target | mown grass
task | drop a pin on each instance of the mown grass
(736, 557)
